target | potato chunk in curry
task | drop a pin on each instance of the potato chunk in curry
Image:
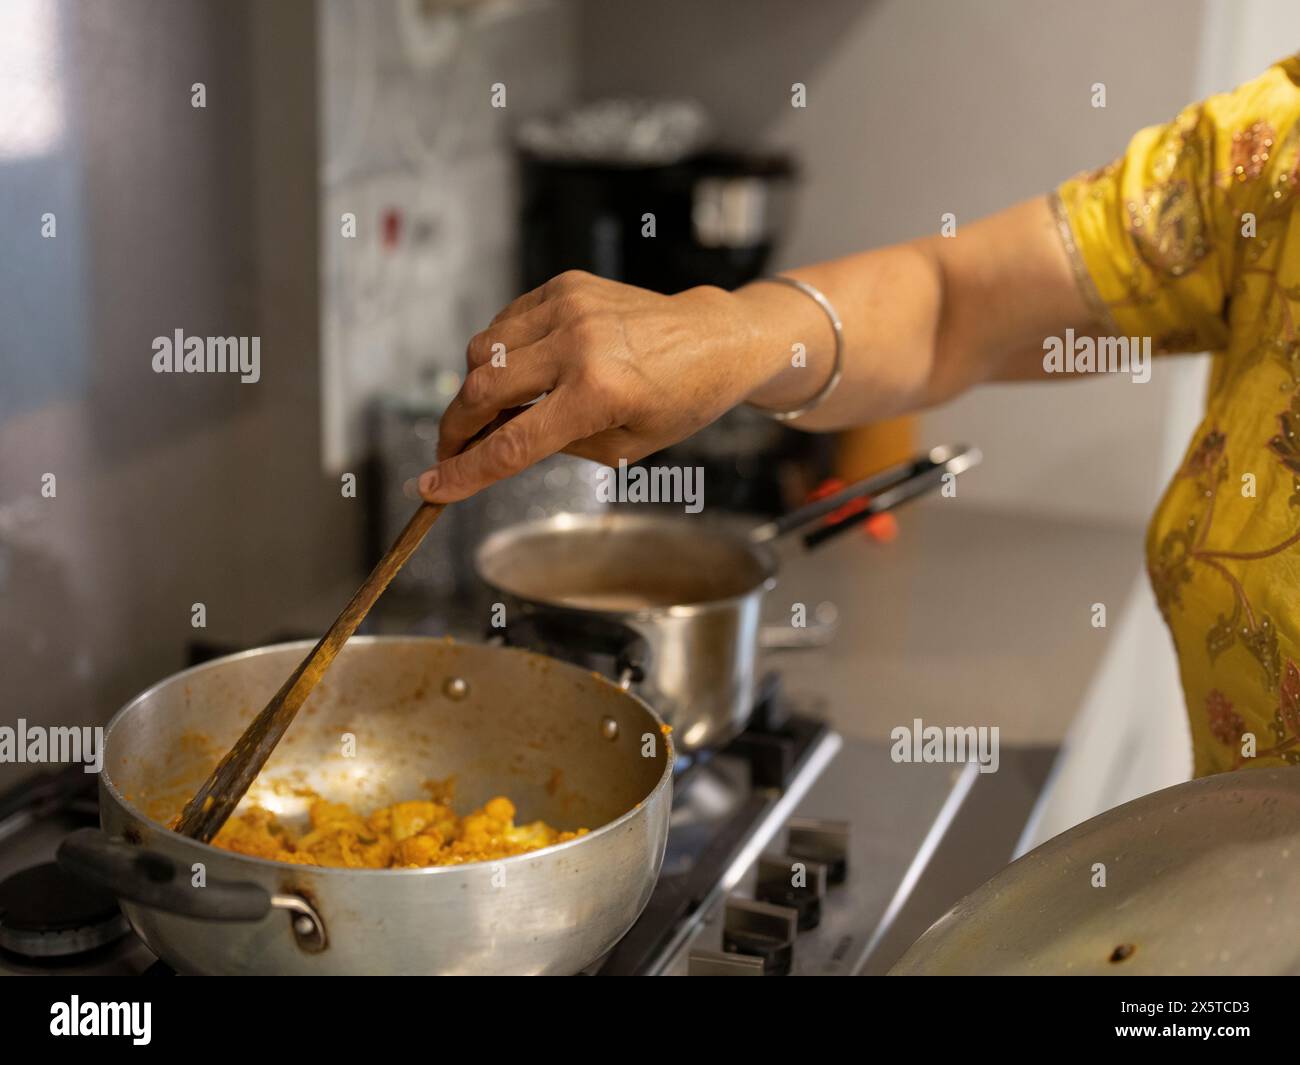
(401, 836)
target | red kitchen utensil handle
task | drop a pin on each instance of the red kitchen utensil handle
(917, 485)
(884, 491)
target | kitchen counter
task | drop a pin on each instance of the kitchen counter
(970, 617)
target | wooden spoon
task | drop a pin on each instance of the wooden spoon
(216, 800)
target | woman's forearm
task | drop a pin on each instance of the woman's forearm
(888, 302)
(922, 321)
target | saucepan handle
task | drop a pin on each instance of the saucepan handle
(883, 491)
(579, 636)
(155, 880)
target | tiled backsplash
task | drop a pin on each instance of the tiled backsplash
(413, 147)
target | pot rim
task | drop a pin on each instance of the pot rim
(761, 553)
(107, 784)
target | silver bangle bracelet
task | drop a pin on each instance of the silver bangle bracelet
(837, 369)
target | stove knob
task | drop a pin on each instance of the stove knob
(718, 963)
(812, 839)
(785, 880)
(761, 930)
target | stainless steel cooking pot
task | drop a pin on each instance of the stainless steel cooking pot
(562, 744)
(672, 602)
(1200, 878)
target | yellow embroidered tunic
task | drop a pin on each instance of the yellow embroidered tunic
(1192, 239)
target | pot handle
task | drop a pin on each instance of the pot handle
(885, 490)
(154, 880)
(577, 635)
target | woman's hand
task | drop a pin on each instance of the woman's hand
(625, 372)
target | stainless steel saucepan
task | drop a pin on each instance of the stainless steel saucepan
(674, 602)
(564, 745)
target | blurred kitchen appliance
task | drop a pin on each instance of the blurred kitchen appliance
(633, 190)
(711, 219)
(441, 573)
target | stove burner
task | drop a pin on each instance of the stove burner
(48, 913)
(770, 754)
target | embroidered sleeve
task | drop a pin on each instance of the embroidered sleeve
(1161, 238)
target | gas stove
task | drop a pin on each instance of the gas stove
(727, 813)
(792, 851)
(798, 851)
(50, 922)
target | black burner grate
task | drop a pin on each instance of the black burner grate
(772, 748)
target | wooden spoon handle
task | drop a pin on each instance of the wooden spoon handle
(214, 802)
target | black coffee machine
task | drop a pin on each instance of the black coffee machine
(711, 219)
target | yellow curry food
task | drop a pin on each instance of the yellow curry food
(402, 836)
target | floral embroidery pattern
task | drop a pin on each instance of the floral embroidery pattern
(1250, 151)
(1185, 548)
(1286, 722)
(1167, 228)
(1286, 447)
(1166, 223)
(1182, 549)
(1225, 723)
(1227, 726)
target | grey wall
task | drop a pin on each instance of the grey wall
(920, 107)
(170, 490)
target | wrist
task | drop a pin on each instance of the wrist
(742, 335)
(793, 342)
